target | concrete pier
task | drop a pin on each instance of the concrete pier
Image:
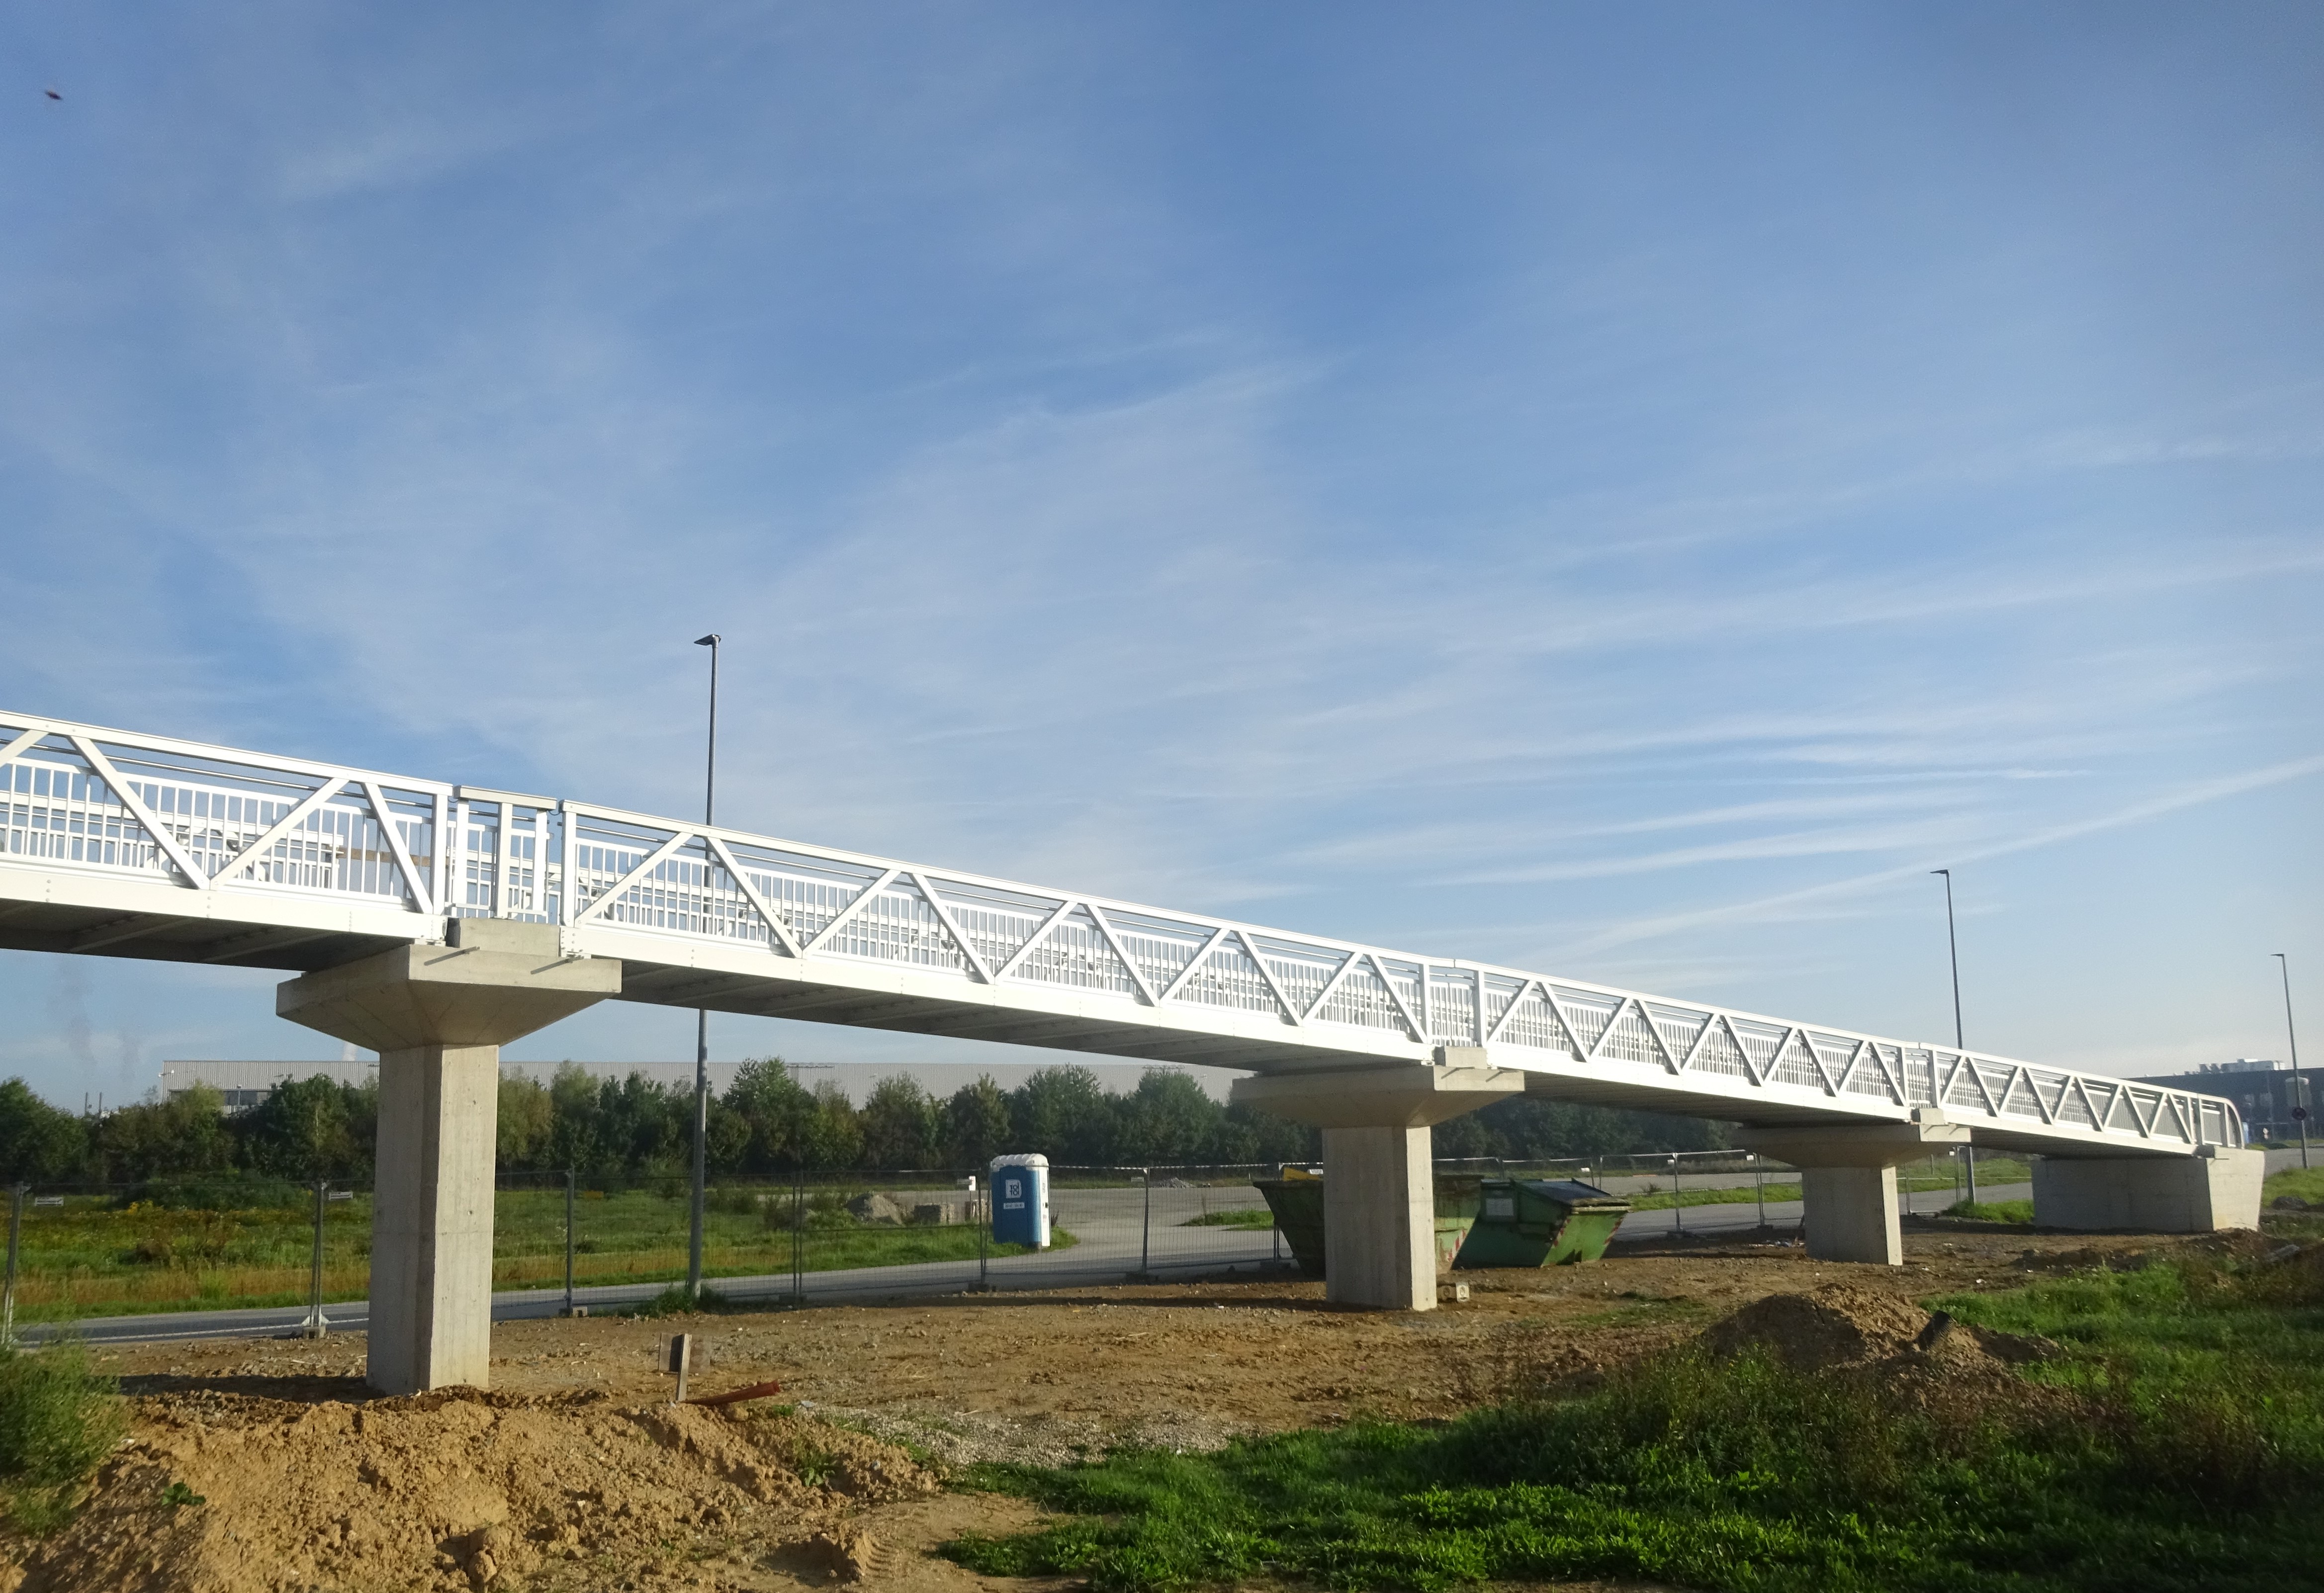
(1848, 1180)
(2216, 1188)
(1379, 1184)
(437, 1015)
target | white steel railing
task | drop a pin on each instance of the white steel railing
(81, 799)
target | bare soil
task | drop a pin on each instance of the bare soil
(573, 1472)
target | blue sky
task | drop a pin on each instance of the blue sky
(1619, 490)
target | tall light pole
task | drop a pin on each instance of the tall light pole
(702, 1014)
(1952, 944)
(2298, 1085)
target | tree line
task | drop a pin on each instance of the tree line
(765, 1123)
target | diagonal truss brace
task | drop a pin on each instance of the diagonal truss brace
(146, 815)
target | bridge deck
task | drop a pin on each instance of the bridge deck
(115, 844)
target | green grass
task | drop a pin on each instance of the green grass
(58, 1422)
(2187, 1458)
(2019, 1211)
(1662, 1200)
(90, 1257)
(1242, 1217)
(2307, 1183)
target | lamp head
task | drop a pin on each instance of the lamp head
(1947, 873)
(710, 641)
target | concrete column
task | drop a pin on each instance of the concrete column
(432, 1241)
(437, 1015)
(1379, 1218)
(1851, 1214)
(1379, 1183)
(1848, 1179)
(2218, 1187)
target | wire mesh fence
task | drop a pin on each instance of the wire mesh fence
(819, 1233)
(564, 1241)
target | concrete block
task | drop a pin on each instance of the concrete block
(1852, 1214)
(2218, 1188)
(1379, 1218)
(503, 934)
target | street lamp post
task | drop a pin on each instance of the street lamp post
(1952, 944)
(2298, 1085)
(702, 1014)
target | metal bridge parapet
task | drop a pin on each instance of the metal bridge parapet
(267, 840)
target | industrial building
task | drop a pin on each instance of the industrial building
(2267, 1090)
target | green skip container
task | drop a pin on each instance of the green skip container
(1537, 1222)
(1297, 1202)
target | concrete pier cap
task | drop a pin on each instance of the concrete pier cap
(1848, 1179)
(437, 1015)
(1379, 1180)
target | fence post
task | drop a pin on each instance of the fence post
(1146, 1223)
(1678, 1204)
(983, 1232)
(1760, 1170)
(8, 1290)
(568, 1241)
(315, 1327)
(798, 1234)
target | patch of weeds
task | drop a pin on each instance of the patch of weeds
(58, 1421)
(178, 1494)
(2192, 1439)
(1631, 1308)
(675, 1300)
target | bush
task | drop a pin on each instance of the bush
(674, 1300)
(58, 1423)
(222, 1191)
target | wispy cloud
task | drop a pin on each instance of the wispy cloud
(2197, 794)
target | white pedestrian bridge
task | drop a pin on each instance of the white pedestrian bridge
(142, 846)
(120, 844)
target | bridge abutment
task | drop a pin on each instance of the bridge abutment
(1848, 1180)
(437, 1015)
(2216, 1188)
(1379, 1183)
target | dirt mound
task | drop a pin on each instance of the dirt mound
(458, 1490)
(1836, 1325)
(1842, 1327)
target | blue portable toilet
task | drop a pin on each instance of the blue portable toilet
(1020, 1200)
